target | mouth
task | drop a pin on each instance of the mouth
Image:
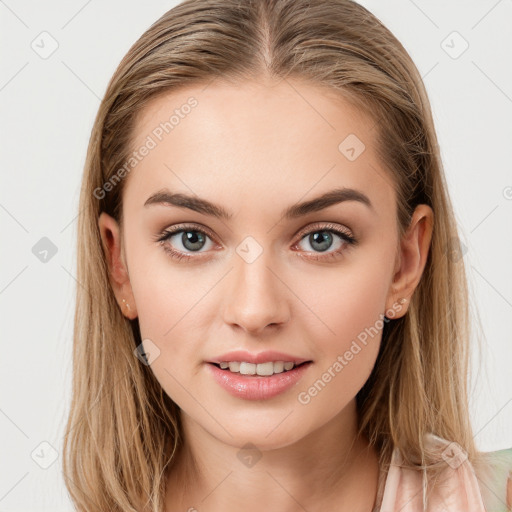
(251, 385)
(259, 370)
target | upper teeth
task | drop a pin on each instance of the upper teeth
(268, 368)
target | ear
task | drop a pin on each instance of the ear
(411, 259)
(118, 271)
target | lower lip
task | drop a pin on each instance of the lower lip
(257, 387)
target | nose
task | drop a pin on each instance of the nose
(256, 296)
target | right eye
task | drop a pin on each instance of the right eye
(190, 238)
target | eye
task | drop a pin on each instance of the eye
(322, 237)
(185, 238)
(182, 240)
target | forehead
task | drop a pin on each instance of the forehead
(241, 143)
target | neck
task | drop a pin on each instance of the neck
(332, 467)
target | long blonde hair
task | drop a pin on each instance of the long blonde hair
(123, 431)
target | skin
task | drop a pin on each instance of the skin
(256, 149)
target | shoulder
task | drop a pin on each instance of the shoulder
(483, 485)
(493, 471)
(485, 481)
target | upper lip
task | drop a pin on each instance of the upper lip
(261, 357)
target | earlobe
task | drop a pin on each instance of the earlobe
(118, 272)
(414, 249)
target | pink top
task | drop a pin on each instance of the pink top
(461, 487)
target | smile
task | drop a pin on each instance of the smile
(262, 369)
(252, 386)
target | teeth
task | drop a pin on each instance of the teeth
(248, 368)
(263, 369)
(234, 366)
(279, 367)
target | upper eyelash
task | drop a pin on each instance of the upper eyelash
(327, 227)
(181, 227)
(162, 237)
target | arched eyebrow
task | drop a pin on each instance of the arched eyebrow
(165, 197)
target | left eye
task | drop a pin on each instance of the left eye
(322, 239)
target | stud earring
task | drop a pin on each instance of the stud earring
(126, 304)
(402, 301)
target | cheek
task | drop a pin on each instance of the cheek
(351, 308)
(168, 304)
(164, 290)
(175, 310)
(165, 295)
(348, 301)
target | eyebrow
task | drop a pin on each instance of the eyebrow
(165, 197)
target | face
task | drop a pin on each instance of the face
(256, 272)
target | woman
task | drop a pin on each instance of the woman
(273, 312)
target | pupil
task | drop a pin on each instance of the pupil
(323, 238)
(192, 240)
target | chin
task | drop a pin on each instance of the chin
(264, 437)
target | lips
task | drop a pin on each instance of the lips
(255, 387)
(260, 357)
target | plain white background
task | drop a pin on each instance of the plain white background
(48, 107)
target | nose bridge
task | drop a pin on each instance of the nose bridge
(257, 296)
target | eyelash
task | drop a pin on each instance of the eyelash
(162, 237)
